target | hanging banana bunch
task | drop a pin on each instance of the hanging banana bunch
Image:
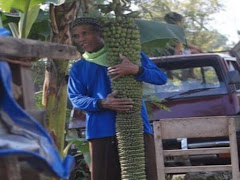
(122, 36)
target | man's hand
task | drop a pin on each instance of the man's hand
(117, 104)
(125, 68)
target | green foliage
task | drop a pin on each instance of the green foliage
(38, 100)
(179, 178)
(90, 9)
(25, 5)
(21, 5)
(209, 41)
(82, 156)
(14, 29)
(81, 144)
(155, 34)
(197, 16)
(55, 2)
(27, 12)
(38, 70)
(81, 169)
(27, 19)
(41, 29)
(152, 99)
(172, 177)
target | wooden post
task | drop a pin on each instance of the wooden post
(27, 88)
(20, 52)
(9, 168)
(28, 173)
(234, 148)
(159, 150)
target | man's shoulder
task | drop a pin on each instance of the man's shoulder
(84, 66)
(144, 56)
(78, 66)
(80, 63)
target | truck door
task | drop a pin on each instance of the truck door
(233, 65)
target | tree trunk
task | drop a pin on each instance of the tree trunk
(55, 83)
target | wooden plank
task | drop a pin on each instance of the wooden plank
(39, 115)
(27, 88)
(234, 150)
(29, 173)
(22, 78)
(159, 151)
(237, 122)
(185, 169)
(9, 168)
(26, 48)
(194, 127)
(199, 127)
(196, 151)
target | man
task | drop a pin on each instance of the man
(89, 89)
(178, 19)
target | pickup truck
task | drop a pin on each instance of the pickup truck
(206, 84)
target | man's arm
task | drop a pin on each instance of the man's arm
(117, 104)
(151, 73)
(78, 95)
(148, 72)
(194, 49)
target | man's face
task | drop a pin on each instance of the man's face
(87, 38)
(180, 23)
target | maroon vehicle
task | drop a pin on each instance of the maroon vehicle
(198, 85)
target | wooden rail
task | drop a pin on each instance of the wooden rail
(21, 51)
(28, 49)
(197, 127)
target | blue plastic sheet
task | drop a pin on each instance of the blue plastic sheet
(22, 135)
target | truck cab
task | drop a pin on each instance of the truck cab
(199, 85)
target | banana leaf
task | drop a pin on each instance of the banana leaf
(22, 5)
(155, 34)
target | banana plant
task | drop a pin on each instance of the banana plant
(81, 144)
(27, 11)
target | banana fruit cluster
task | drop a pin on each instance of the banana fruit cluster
(122, 36)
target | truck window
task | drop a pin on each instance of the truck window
(233, 66)
(189, 80)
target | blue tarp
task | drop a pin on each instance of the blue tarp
(22, 135)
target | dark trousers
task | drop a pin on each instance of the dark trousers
(105, 160)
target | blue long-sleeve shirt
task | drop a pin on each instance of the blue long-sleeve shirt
(89, 82)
